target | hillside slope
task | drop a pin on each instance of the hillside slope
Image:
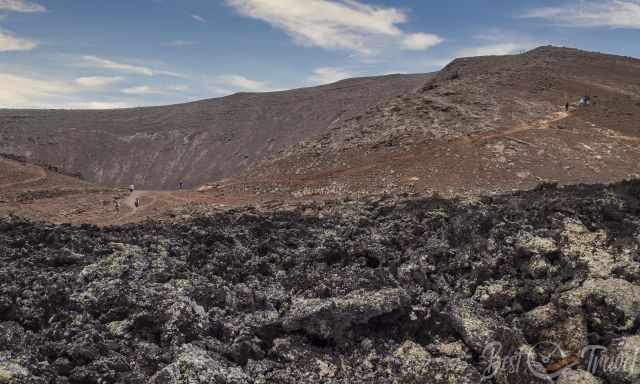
(41, 192)
(196, 142)
(480, 125)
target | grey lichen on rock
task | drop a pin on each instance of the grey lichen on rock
(620, 363)
(195, 366)
(12, 373)
(330, 318)
(557, 326)
(587, 248)
(418, 366)
(578, 377)
(609, 305)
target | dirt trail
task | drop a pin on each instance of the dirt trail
(466, 140)
(42, 174)
(148, 200)
(152, 202)
(541, 125)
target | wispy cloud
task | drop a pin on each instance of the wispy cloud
(199, 18)
(589, 13)
(143, 90)
(178, 43)
(420, 41)
(97, 81)
(180, 88)
(498, 49)
(99, 62)
(28, 91)
(335, 24)
(21, 6)
(9, 42)
(96, 105)
(241, 83)
(497, 42)
(327, 75)
(20, 91)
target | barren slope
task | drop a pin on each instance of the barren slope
(41, 193)
(482, 124)
(196, 142)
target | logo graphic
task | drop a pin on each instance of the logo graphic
(551, 361)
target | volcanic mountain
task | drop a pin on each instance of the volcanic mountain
(157, 147)
(481, 125)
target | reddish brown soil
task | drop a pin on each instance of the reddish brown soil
(157, 147)
(41, 194)
(491, 162)
(480, 126)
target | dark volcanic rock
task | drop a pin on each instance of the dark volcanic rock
(384, 290)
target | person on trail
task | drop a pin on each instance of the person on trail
(137, 202)
(131, 188)
(180, 185)
(566, 107)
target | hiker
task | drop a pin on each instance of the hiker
(131, 188)
(137, 202)
(180, 185)
(566, 107)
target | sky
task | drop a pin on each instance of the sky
(94, 54)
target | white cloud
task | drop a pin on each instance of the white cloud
(180, 88)
(178, 43)
(602, 13)
(25, 91)
(151, 90)
(141, 90)
(97, 105)
(420, 41)
(493, 50)
(498, 42)
(99, 62)
(332, 24)
(21, 6)
(199, 18)
(327, 75)
(219, 91)
(18, 91)
(241, 83)
(9, 42)
(97, 81)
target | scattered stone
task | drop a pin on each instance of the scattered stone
(619, 363)
(330, 318)
(577, 377)
(587, 248)
(382, 290)
(609, 305)
(11, 373)
(196, 366)
(417, 366)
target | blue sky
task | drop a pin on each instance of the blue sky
(123, 53)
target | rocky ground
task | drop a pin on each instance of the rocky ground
(509, 289)
(480, 125)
